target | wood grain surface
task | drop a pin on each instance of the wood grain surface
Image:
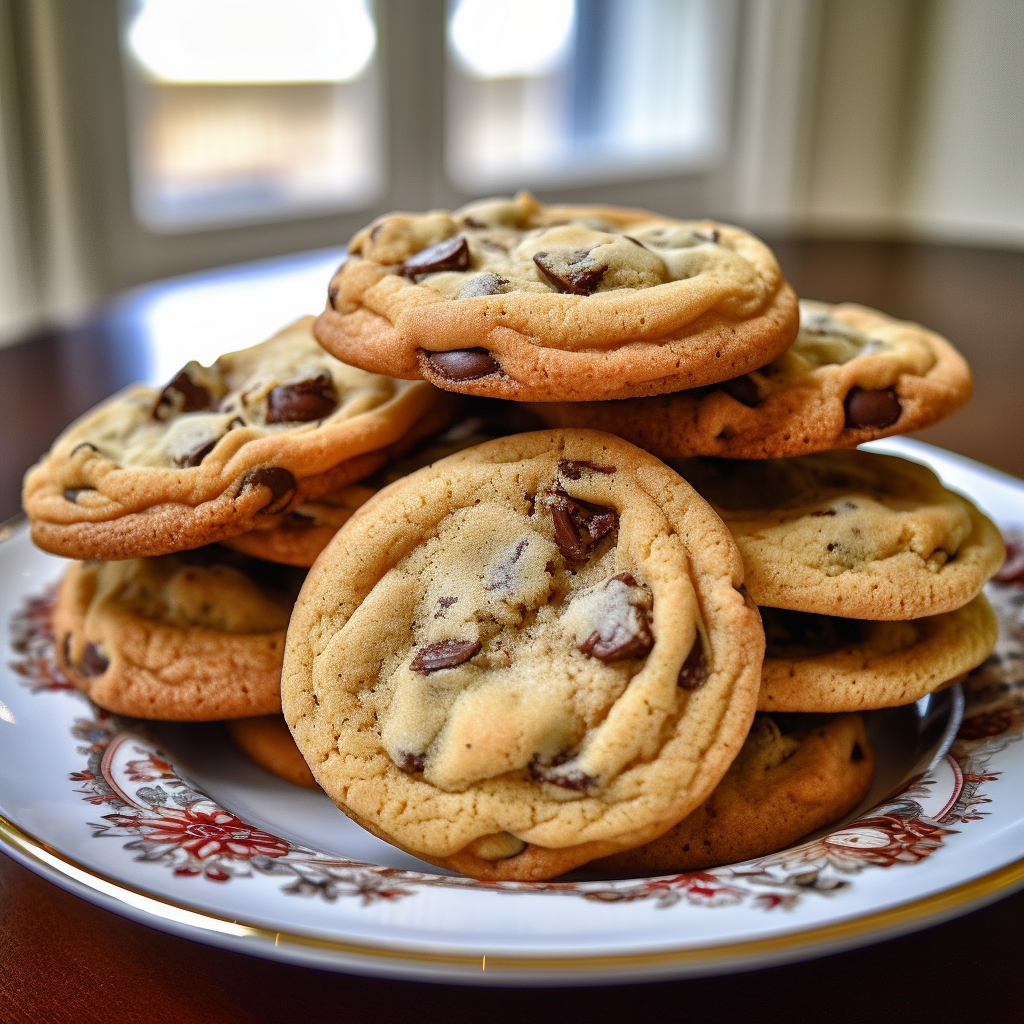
(63, 961)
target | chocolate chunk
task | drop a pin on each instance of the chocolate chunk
(446, 654)
(579, 525)
(72, 493)
(572, 778)
(196, 455)
(451, 254)
(573, 272)
(857, 754)
(311, 399)
(94, 662)
(567, 537)
(625, 633)
(872, 408)
(695, 671)
(464, 363)
(707, 236)
(410, 762)
(622, 644)
(443, 604)
(574, 469)
(823, 512)
(332, 295)
(743, 389)
(483, 284)
(281, 483)
(183, 395)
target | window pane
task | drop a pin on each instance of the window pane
(246, 110)
(609, 87)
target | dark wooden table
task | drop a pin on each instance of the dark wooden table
(63, 961)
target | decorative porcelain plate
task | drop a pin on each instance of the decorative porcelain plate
(170, 826)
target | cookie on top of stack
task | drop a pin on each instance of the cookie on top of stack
(537, 652)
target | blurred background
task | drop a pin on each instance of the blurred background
(148, 138)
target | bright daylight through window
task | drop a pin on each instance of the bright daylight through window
(609, 87)
(243, 110)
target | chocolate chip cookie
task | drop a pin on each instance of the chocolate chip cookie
(530, 654)
(298, 537)
(795, 774)
(850, 533)
(218, 450)
(265, 740)
(513, 299)
(190, 637)
(825, 663)
(852, 375)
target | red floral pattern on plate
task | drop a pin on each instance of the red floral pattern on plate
(166, 820)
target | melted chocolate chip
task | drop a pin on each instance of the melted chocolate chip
(707, 236)
(332, 295)
(579, 525)
(306, 400)
(410, 762)
(464, 363)
(94, 662)
(620, 646)
(72, 493)
(183, 395)
(443, 604)
(451, 254)
(574, 272)
(857, 754)
(617, 640)
(743, 389)
(573, 469)
(196, 455)
(823, 512)
(281, 483)
(872, 408)
(694, 672)
(446, 654)
(573, 779)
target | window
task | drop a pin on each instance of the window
(608, 88)
(237, 113)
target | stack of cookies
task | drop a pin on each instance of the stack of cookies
(519, 653)
(192, 510)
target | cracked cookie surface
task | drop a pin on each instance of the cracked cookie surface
(795, 774)
(190, 637)
(512, 299)
(850, 533)
(853, 374)
(525, 656)
(219, 450)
